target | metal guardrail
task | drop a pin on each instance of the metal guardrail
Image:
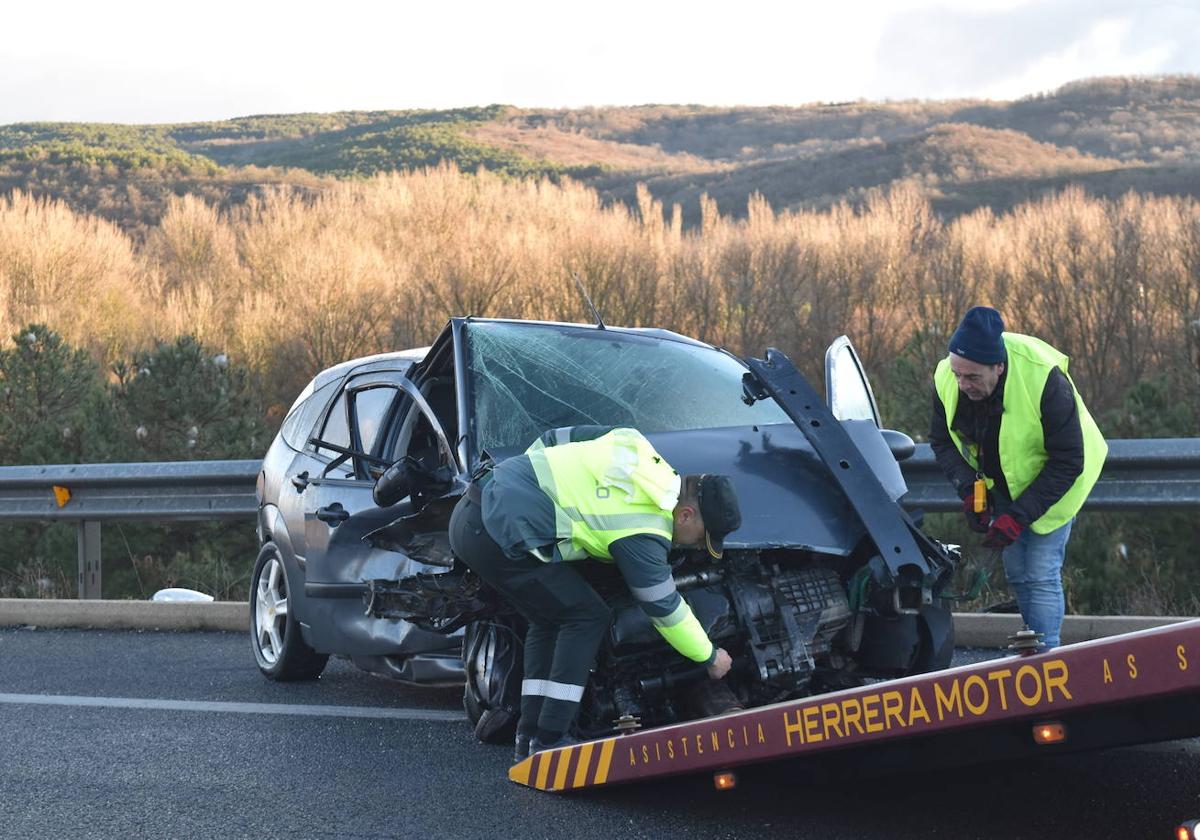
(1160, 473)
(1139, 474)
(174, 490)
(89, 494)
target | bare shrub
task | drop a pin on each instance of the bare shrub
(288, 283)
(76, 273)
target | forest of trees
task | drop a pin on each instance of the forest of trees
(283, 285)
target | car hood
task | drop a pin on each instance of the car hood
(787, 496)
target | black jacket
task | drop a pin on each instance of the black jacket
(979, 422)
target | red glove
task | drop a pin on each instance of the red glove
(1003, 533)
(977, 522)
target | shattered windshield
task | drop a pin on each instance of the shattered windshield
(527, 378)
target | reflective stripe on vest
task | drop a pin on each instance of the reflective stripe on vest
(650, 594)
(605, 489)
(1021, 440)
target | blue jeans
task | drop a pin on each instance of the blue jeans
(1033, 565)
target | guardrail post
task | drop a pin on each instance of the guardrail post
(89, 559)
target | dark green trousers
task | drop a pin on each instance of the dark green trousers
(567, 621)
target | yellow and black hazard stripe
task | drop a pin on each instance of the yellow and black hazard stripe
(581, 765)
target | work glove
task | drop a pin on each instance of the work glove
(1003, 533)
(977, 522)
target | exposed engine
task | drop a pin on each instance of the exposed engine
(786, 619)
(778, 623)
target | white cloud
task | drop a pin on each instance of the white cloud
(140, 61)
(1026, 48)
(1103, 51)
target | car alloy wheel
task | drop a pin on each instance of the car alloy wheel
(271, 610)
(275, 633)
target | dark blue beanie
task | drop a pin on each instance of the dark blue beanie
(978, 337)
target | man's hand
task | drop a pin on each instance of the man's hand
(720, 665)
(977, 522)
(1003, 533)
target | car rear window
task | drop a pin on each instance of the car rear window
(298, 426)
(527, 378)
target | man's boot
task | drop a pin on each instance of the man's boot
(536, 744)
(521, 748)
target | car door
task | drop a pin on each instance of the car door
(379, 415)
(299, 462)
(851, 400)
(847, 390)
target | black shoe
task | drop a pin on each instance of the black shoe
(521, 749)
(536, 745)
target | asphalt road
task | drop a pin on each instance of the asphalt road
(141, 734)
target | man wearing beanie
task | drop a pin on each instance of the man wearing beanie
(1022, 452)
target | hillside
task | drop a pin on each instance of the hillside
(960, 159)
(1107, 135)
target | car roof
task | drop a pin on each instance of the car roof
(396, 360)
(655, 332)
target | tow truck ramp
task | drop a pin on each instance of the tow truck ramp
(1135, 688)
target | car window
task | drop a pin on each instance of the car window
(337, 427)
(527, 378)
(298, 426)
(370, 412)
(358, 421)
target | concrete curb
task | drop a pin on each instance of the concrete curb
(970, 629)
(993, 629)
(125, 615)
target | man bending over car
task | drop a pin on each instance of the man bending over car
(577, 492)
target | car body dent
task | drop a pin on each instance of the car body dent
(341, 626)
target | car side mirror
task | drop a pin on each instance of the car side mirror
(393, 485)
(902, 445)
(412, 477)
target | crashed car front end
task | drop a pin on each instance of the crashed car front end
(827, 580)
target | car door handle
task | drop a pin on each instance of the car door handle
(334, 515)
(300, 481)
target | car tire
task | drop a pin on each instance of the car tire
(275, 636)
(492, 665)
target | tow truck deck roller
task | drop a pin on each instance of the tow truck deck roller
(1135, 688)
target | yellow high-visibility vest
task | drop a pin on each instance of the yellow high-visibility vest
(604, 489)
(1022, 443)
(611, 487)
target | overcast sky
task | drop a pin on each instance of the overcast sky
(135, 61)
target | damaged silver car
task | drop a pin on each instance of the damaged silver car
(828, 582)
